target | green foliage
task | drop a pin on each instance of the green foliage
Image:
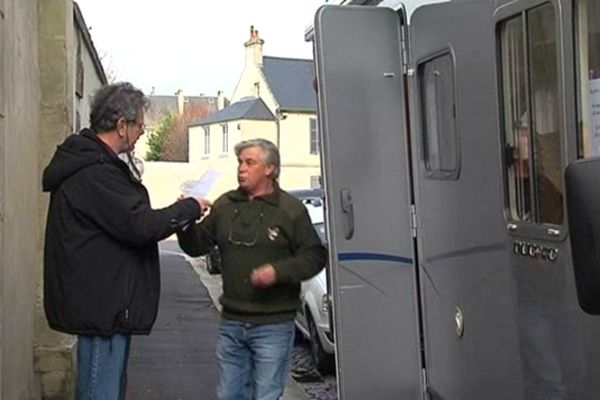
(158, 138)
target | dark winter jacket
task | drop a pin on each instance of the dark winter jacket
(101, 266)
(274, 229)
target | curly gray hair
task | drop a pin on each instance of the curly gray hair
(269, 150)
(114, 101)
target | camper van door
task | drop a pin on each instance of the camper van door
(362, 117)
(470, 326)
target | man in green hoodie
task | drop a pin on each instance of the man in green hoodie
(267, 246)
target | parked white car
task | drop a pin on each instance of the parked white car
(313, 319)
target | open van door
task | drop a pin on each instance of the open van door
(365, 153)
(470, 327)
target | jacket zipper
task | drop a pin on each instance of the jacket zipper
(128, 296)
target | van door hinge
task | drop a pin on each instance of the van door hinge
(404, 49)
(413, 220)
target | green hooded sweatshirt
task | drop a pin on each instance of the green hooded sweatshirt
(274, 229)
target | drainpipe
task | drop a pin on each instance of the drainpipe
(278, 118)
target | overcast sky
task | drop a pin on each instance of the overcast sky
(196, 46)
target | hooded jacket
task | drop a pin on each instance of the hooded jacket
(101, 265)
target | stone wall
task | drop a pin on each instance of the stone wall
(65, 55)
(19, 185)
(38, 44)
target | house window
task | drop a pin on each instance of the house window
(438, 117)
(79, 71)
(531, 129)
(77, 121)
(257, 89)
(206, 140)
(315, 182)
(225, 138)
(314, 137)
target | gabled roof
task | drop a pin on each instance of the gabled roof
(247, 108)
(290, 79)
(161, 105)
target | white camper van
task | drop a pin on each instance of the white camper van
(459, 244)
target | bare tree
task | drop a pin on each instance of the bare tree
(176, 144)
(111, 74)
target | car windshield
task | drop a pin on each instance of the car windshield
(320, 228)
(309, 196)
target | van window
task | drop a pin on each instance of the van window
(438, 117)
(587, 22)
(531, 125)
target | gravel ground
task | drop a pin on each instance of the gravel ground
(304, 372)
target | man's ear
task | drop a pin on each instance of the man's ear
(269, 170)
(121, 126)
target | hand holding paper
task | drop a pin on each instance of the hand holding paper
(199, 188)
(204, 204)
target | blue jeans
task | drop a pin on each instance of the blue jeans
(254, 359)
(101, 367)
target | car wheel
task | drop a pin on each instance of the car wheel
(298, 336)
(323, 361)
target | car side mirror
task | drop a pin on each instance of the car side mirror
(313, 201)
(582, 179)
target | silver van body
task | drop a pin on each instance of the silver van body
(445, 138)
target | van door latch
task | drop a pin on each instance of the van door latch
(348, 210)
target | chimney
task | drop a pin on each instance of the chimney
(220, 100)
(254, 48)
(180, 101)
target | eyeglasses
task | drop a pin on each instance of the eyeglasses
(142, 126)
(242, 242)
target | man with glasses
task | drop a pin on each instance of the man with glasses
(101, 265)
(268, 245)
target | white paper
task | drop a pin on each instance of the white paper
(200, 187)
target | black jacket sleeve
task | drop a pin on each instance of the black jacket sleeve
(198, 239)
(121, 207)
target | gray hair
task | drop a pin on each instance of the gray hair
(269, 150)
(115, 101)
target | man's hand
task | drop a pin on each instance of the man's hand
(264, 276)
(204, 204)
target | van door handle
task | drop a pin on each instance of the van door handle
(348, 210)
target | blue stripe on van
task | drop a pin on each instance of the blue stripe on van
(374, 256)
